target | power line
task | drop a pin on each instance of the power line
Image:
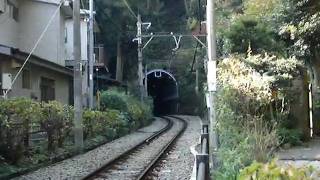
(110, 19)
(82, 4)
(34, 48)
(129, 8)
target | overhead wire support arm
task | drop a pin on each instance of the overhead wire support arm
(203, 44)
(177, 38)
(177, 41)
(170, 35)
(147, 43)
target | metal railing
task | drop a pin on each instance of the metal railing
(202, 158)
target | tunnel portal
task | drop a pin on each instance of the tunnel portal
(163, 88)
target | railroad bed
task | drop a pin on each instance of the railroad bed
(137, 163)
(82, 165)
(138, 155)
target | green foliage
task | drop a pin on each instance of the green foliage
(139, 113)
(248, 112)
(192, 23)
(291, 136)
(95, 123)
(244, 134)
(109, 123)
(248, 31)
(114, 100)
(19, 117)
(302, 27)
(272, 11)
(7, 169)
(190, 102)
(56, 120)
(271, 171)
(16, 117)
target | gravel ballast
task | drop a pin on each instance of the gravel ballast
(178, 164)
(132, 166)
(81, 165)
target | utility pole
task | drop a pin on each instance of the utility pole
(91, 54)
(197, 77)
(140, 58)
(77, 79)
(146, 80)
(212, 78)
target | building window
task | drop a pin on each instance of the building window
(26, 79)
(47, 88)
(14, 11)
(3, 5)
(66, 35)
(1, 91)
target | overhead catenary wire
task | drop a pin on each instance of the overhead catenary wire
(129, 8)
(34, 47)
(110, 19)
(82, 4)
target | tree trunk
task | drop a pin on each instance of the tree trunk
(119, 73)
(50, 141)
(186, 7)
(26, 134)
(197, 77)
(148, 5)
(315, 68)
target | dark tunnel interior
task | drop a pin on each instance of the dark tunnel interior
(163, 88)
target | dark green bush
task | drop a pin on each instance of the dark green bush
(291, 136)
(17, 117)
(114, 100)
(56, 120)
(107, 123)
(136, 113)
(247, 30)
(141, 113)
(94, 123)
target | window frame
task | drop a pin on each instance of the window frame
(26, 83)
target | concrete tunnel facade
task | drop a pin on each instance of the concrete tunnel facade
(163, 88)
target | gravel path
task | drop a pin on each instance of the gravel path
(179, 162)
(133, 165)
(302, 156)
(82, 165)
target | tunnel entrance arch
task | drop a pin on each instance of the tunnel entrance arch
(162, 86)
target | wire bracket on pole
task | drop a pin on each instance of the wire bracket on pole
(147, 43)
(204, 45)
(177, 41)
(148, 24)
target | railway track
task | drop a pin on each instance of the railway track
(139, 162)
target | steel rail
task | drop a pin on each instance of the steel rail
(93, 174)
(164, 149)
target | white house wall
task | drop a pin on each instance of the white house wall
(61, 82)
(33, 19)
(69, 43)
(61, 47)
(8, 29)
